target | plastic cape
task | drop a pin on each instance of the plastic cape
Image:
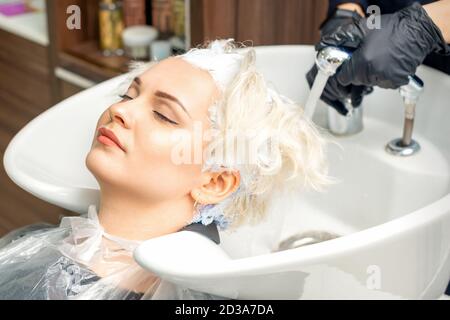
(78, 260)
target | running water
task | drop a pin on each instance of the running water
(315, 93)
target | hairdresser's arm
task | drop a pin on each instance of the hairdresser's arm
(353, 5)
(439, 12)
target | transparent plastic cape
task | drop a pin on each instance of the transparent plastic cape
(78, 260)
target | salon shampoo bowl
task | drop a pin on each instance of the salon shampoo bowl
(392, 214)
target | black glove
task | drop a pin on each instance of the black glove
(388, 55)
(340, 30)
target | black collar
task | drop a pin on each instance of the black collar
(210, 231)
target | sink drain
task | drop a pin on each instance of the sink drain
(304, 239)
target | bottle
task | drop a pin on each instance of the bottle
(160, 49)
(163, 17)
(178, 12)
(111, 26)
(134, 12)
(178, 41)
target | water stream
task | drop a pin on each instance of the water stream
(315, 93)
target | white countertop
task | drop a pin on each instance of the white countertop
(31, 26)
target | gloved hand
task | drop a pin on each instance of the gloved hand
(388, 55)
(340, 30)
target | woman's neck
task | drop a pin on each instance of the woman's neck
(134, 219)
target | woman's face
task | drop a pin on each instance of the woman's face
(172, 95)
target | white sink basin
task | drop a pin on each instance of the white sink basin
(393, 214)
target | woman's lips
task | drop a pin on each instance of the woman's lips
(108, 138)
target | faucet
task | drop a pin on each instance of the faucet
(406, 146)
(328, 60)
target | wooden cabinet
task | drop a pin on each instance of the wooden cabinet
(257, 22)
(25, 91)
(25, 71)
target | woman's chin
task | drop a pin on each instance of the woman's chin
(103, 166)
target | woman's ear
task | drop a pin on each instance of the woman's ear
(219, 186)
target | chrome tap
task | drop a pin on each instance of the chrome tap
(406, 146)
(328, 60)
(349, 124)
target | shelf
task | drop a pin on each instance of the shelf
(90, 52)
(31, 26)
(85, 68)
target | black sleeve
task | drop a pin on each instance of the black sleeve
(334, 3)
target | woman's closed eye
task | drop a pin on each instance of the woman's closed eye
(159, 116)
(162, 117)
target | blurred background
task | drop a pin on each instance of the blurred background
(50, 50)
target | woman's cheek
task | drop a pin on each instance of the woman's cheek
(177, 150)
(159, 146)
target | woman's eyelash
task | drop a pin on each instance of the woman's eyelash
(164, 118)
(125, 96)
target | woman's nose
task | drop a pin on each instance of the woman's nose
(121, 115)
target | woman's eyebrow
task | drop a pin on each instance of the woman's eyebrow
(165, 95)
(137, 82)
